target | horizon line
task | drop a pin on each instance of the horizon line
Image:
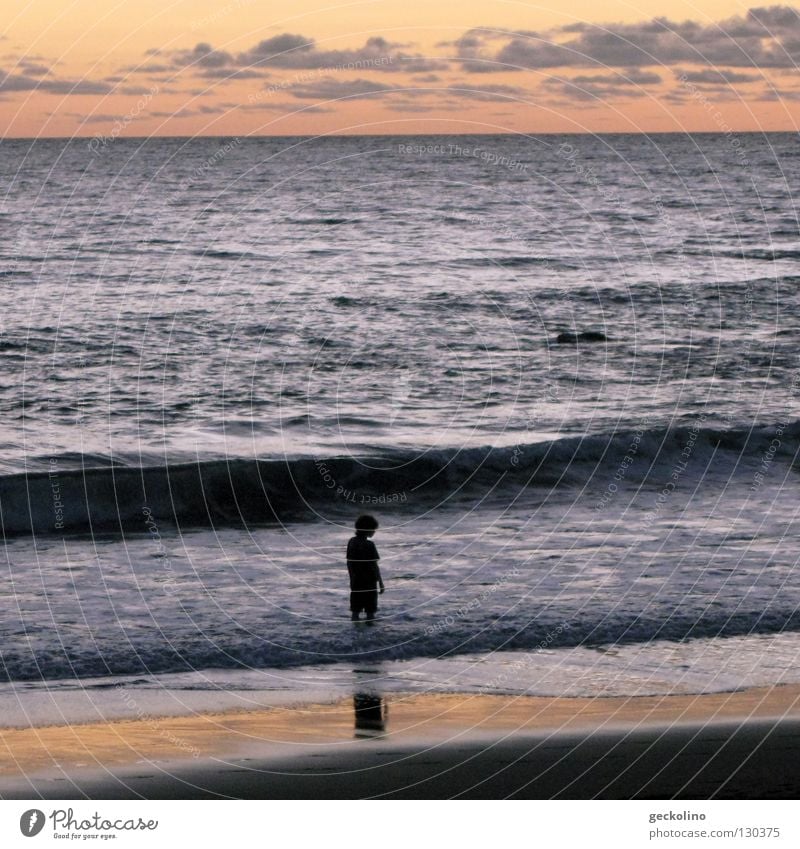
(403, 135)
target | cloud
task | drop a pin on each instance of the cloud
(478, 49)
(766, 37)
(420, 108)
(137, 90)
(633, 76)
(228, 74)
(287, 108)
(712, 76)
(22, 82)
(610, 86)
(778, 94)
(290, 51)
(97, 118)
(573, 91)
(452, 96)
(149, 68)
(284, 51)
(27, 65)
(203, 56)
(487, 92)
(774, 16)
(300, 52)
(188, 112)
(329, 88)
(33, 69)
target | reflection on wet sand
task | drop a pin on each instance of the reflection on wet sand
(371, 714)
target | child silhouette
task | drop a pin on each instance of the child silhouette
(362, 566)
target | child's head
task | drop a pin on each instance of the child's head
(366, 525)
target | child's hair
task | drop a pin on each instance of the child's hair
(366, 523)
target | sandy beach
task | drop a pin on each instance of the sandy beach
(727, 745)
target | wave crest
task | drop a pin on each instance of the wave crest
(217, 492)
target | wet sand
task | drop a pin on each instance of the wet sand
(729, 745)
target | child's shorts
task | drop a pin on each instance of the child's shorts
(366, 600)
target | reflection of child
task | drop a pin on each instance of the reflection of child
(362, 566)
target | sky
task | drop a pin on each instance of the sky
(109, 69)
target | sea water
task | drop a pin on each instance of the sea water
(216, 353)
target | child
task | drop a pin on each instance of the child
(362, 566)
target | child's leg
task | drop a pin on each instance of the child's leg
(355, 605)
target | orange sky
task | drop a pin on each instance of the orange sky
(240, 67)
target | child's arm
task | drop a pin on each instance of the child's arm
(381, 587)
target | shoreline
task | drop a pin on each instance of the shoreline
(442, 745)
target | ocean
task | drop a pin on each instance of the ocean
(562, 371)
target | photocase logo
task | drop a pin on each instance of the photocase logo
(31, 822)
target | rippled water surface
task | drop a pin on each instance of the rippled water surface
(377, 324)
